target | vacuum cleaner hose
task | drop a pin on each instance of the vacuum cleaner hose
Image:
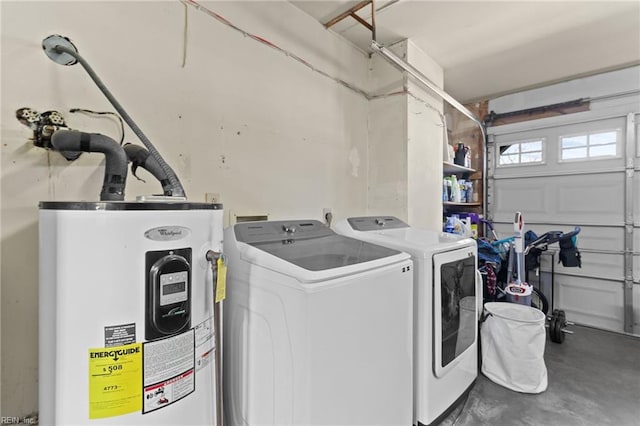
(115, 171)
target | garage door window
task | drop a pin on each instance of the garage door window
(522, 152)
(601, 144)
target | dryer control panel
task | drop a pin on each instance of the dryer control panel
(168, 292)
(375, 223)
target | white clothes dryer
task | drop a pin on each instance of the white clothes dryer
(447, 297)
(319, 328)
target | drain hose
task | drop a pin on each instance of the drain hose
(140, 157)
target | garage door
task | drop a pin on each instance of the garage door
(583, 172)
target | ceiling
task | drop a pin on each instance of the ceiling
(491, 48)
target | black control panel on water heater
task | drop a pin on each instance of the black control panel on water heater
(168, 292)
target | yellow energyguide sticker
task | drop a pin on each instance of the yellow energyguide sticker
(115, 380)
(221, 284)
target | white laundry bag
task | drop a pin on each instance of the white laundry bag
(513, 339)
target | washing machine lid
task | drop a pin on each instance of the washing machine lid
(394, 233)
(309, 244)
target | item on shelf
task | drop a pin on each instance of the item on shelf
(454, 225)
(467, 158)
(450, 153)
(463, 190)
(471, 197)
(461, 153)
(449, 225)
(473, 220)
(446, 189)
(455, 189)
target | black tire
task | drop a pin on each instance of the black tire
(539, 301)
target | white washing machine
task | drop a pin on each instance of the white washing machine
(447, 296)
(317, 328)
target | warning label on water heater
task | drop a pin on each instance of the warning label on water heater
(205, 343)
(115, 379)
(116, 335)
(169, 391)
(169, 370)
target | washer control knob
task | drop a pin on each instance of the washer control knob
(380, 222)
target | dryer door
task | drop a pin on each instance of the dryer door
(455, 308)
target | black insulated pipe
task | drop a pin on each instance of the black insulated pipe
(115, 169)
(140, 157)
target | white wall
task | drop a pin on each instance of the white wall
(387, 138)
(240, 119)
(405, 141)
(425, 133)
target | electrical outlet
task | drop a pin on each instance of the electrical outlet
(327, 216)
(212, 197)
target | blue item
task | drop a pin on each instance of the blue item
(449, 226)
(488, 253)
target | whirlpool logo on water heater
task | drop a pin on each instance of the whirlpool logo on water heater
(167, 233)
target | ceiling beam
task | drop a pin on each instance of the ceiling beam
(352, 12)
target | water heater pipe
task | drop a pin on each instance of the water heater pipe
(115, 168)
(140, 157)
(212, 257)
(56, 47)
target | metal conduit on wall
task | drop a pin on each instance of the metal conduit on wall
(399, 63)
(421, 78)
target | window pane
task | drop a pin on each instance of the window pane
(521, 152)
(573, 153)
(531, 157)
(602, 138)
(513, 149)
(602, 151)
(509, 159)
(574, 141)
(531, 146)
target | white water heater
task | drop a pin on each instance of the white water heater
(127, 313)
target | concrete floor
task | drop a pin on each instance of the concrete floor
(594, 379)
